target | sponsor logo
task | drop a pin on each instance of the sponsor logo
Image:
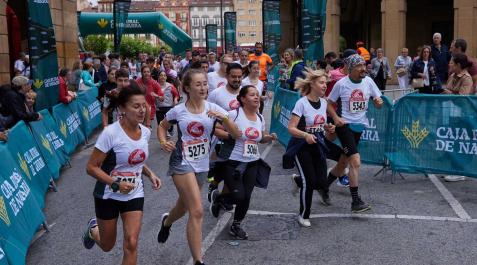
(319, 120)
(234, 104)
(415, 136)
(136, 157)
(252, 133)
(195, 129)
(38, 83)
(102, 23)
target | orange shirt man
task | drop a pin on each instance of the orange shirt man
(263, 60)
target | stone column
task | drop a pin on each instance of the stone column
(332, 31)
(465, 24)
(4, 47)
(70, 35)
(393, 30)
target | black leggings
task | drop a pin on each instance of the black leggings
(312, 168)
(161, 114)
(240, 185)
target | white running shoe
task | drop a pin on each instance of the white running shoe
(452, 178)
(304, 222)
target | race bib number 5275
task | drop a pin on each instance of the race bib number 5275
(196, 150)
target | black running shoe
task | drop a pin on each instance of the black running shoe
(359, 206)
(227, 206)
(88, 241)
(199, 263)
(325, 197)
(212, 187)
(163, 234)
(214, 204)
(237, 232)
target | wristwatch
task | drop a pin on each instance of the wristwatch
(115, 186)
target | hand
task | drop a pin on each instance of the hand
(216, 114)
(274, 136)
(125, 187)
(155, 181)
(40, 117)
(310, 138)
(161, 98)
(378, 102)
(154, 94)
(3, 136)
(339, 122)
(168, 146)
(330, 128)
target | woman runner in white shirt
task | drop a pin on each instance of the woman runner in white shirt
(189, 161)
(117, 162)
(253, 79)
(239, 166)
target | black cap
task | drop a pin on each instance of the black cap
(348, 52)
(195, 53)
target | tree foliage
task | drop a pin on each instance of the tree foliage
(97, 43)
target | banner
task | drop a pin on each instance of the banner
(273, 79)
(90, 109)
(283, 104)
(28, 158)
(40, 134)
(54, 136)
(211, 38)
(138, 23)
(68, 119)
(43, 54)
(272, 31)
(230, 29)
(120, 16)
(313, 16)
(435, 134)
(20, 212)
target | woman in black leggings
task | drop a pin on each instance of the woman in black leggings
(239, 158)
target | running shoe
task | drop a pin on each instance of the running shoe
(237, 232)
(163, 234)
(343, 181)
(88, 241)
(212, 187)
(296, 183)
(214, 204)
(304, 222)
(452, 178)
(227, 206)
(325, 197)
(199, 263)
(359, 206)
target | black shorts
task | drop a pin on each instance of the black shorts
(349, 140)
(334, 151)
(110, 209)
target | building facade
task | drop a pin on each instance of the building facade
(249, 21)
(203, 12)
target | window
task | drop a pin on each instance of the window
(251, 12)
(183, 17)
(240, 12)
(242, 34)
(242, 23)
(217, 20)
(253, 34)
(195, 21)
(252, 23)
(172, 16)
(204, 20)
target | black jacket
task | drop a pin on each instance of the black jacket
(294, 146)
(13, 103)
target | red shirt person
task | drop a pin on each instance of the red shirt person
(151, 88)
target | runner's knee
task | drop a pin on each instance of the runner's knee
(196, 213)
(130, 243)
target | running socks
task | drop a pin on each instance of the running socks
(354, 193)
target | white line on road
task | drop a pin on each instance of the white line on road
(456, 206)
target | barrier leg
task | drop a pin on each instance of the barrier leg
(52, 185)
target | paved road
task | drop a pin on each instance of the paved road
(412, 222)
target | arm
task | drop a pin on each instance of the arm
(104, 117)
(467, 87)
(388, 67)
(221, 133)
(64, 97)
(17, 108)
(332, 112)
(267, 138)
(169, 146)
(295, 132)
(156, 182)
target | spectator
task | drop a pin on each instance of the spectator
(330, 58)
(441, 56)
(20, 63)
(213, 64)
(298, 68)
(243, 58)
(363, 52)
(104, 68)
(30, 99)
(26, 70)
(65, 96)
(459, 82)
(288, 56)
(86, 81)
(95, 73)
(380, 69)
(424, 73)
(418, 53)
(402, 66)
(14, 101)
(460, 46)
(372, 52)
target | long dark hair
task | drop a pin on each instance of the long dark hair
(243, 93)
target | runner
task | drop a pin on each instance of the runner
(253, 79)
(117, 162)
(171, 98)
(110, 112)
(354, 91)
(240, 166)
(152, 90)
(217, 78)
(308, 145)
(189, 161)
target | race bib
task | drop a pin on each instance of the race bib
(196, 150)
(357, 101)
(130, 177)
(250, 149)
(314, 129)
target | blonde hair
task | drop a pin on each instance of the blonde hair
(304, 85)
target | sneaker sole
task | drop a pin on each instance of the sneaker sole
(87, 235)
(164, 216)
(361, 210)
(237, 237)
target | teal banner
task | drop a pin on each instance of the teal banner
(29, 160)
(272, 31)
(68, 119)
(435, 134)
(40, 133)
(120, 16)
(90, 109)
(138, 23)
(211, 38)
(54, 136)
(20, 212)
(43, 54)
(230, 29)
(313, 17)
(273, 79)
(283, 104)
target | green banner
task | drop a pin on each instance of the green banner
(54, 136)
(273, 79)
(272, 31)
(90, 109)
(313, 17)
(138, 23)
(20, 212)
(68, 119)
(230, 29)
(40, 133)
(283, 104)
(43, 54)
(28, 158)
(211, 37)
(435, 134)
(120, 16)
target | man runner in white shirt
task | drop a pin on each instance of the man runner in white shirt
(217, 78)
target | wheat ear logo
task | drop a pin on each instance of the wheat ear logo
(276, 110)
(102, 23)
(38, 83)
(85, 113)
(63, 129)
(3, 212)
(46, 144)
(24, 165)
(415, 136)
(160, 26)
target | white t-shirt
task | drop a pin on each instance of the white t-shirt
(195, 132)
(184, 62)
(314, 119)
(246, 147)
(426, 73)
(259, 85)
(354, 98)
(243, 65)
(214, 67)
(215, 81)
(20, 65)
(126, 158)
(224, 99)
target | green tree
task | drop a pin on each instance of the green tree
(131, 47)
(97, 43)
